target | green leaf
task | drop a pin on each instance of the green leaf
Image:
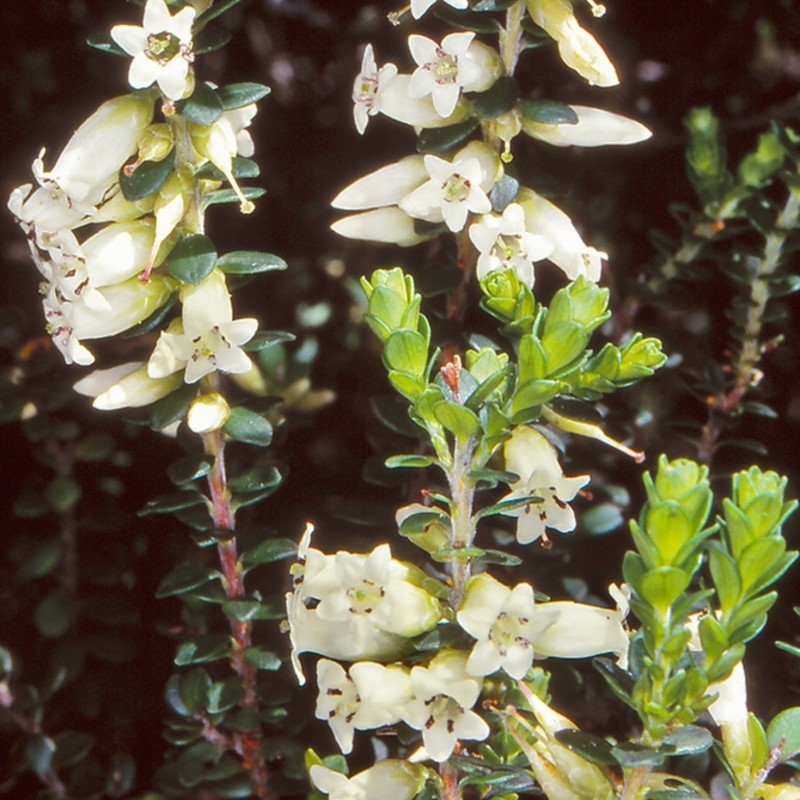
(192, 259)
(663, 586)
(411, 388)
(549, 112)
(238, 95)
(204, 107)
(260, 658)
(147, 179)
(210, 39)
(249, 262)
(185, 577)
(688, 740)
(190, 468)
(512, 504)
(619, 681)
(214, 11)
(633, 755)
(440, 140)
(264, 339)
(102, 41)
(173, 407)
(222, 196)
(203, 649)
(167, 503)
(242, 610)
(725, 574)
(593, 748)
(783, 734)
(263, 476)
(55, 613)
(602, 518)
(268, 551)
(63, 493)
(193, 687)
(498, 557)
(406, 351)
(496, 100)
(42, 560)
(457, 419)
(247, 426)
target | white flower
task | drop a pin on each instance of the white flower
(390, 225)
(504, 243)
(455, 189)
(534, 459)
(369, 697)
(419, 7)
(161, 48)
(207, 339)
(444, 69)
(502, 620)
(594, 128)
(357, 593)
(125, 386)
(386, 186)
(569, 252)
(577, 47)
(397, 103)
(391, 779)
(367, 88)
(444, 694)
(565, 629)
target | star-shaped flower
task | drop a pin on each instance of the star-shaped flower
(444, 694)
(367, 88)
(161, 48)
(502, 620)
(504, 243)
(534, 459)
(444, 69)
(207, 338)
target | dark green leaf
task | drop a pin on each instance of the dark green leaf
(412, 460)
(440, 140)
(263, 476)
(593, 748)
(268, 551)
(504, 191)
(194, 686)
(190, 468)
(173, 407)
(630, 754)
(55, 613)
(549, 112)
(249, 262)
(153, 321)
(192, 259)
(71, 747)
(184, 578)
(264, 339)
(204, 107)
(167, 503)
(498, 557)
(246, 426)
(215, 11)
(102, 41)
(783, 734)
(210, 39)
(42, 560)
(499, 98)
(260, 658)
(620, 681)
(94, 447)
(688, 740)
(512, 504)
(229, 196)
(62, 493)
(237, 95)
(147, 179)
(241, 168)
(202, 649)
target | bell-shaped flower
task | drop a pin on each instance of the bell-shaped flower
(369, 697)
(161, 48)
(419, 7)
(594, 128)
(577, 47)
(502, 620)
(531, 456)
(569, 252)
(503, 242)
(169, 206)
(565, 629)
(356, 593)
(123, 305)
(125, 386)
(368, 87)
(456, 188)
(445, 70)
(444, 694)
(396, 102)
(207, 339)
(391, 779)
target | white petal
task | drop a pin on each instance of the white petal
(594, 128)
(384, 187)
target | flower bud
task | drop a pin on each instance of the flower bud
(208, 413)
(594, 128)
(125, 386)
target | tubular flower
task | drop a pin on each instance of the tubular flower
(125, 386)
(504, 243)
(502, 620)
(207, 338)
(534, 459)
(445, 70)
(577, 47)
(594, 128)
(367, 88)
(419, 7)
(369, 697)
(161, 49)
(444, 694)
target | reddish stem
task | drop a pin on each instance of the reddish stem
(247, 745)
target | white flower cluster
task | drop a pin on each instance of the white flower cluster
(104, 282)
(395, 201)
(364, 608)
